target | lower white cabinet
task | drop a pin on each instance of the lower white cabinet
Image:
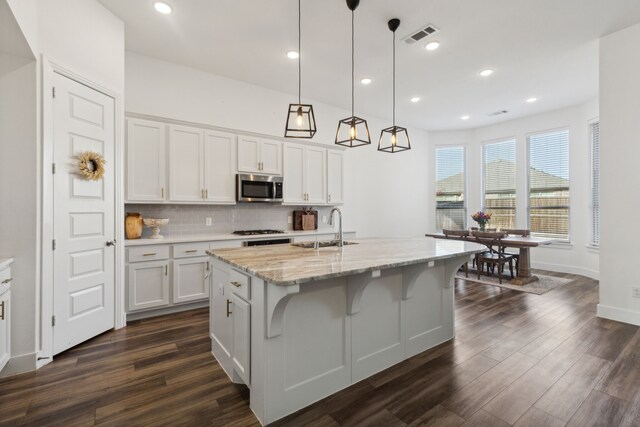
(241, 315)
(220, 311)
(191, 279)
(148, 285)
(5, 328)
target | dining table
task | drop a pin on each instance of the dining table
(522, 243)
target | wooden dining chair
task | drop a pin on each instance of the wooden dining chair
(496, 255)
(520, 232)
(457, 234)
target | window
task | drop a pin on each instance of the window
(595, 183)
(451, 209)
(549, 184)
(499, 182)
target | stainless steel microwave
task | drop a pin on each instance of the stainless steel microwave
(259, 188)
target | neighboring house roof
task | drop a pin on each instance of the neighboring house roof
(501, 179)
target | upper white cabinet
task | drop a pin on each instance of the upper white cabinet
(146, 161)
(256, 155)
(335, 173)
(186, 164)
(201, 165)
(219, 167)
(305, 174)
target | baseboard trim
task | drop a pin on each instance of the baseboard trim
(166, 310)
(592, 274)
(20, 364)
(619, 314)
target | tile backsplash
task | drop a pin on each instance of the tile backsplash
(185, 220)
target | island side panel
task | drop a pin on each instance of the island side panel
(311, 359)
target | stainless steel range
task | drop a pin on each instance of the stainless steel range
(262, 242)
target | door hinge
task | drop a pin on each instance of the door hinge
(53, 168)
(53, 92)
(53, 320)
(53, 244)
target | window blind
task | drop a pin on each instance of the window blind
(451, 209)
(499, 182)
(595, 183)
(549, 184)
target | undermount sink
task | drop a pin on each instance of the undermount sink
(323, 244)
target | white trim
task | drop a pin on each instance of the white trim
(619, 314)
(561, 268)
(594, 249)
(20, 364)
(49, 68)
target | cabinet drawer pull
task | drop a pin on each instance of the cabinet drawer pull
(191, 251)
(228, 311)
(166, 270)
(2, 312)
(236, 284)
(9, 280)
(150, 254)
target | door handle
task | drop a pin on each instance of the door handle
(111, 242)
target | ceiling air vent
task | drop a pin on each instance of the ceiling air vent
(422, 33)
(497, 113)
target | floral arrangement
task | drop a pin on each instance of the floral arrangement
(481, 218)
(91, 165)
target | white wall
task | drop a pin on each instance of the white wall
(82, 36)
(385, 194)
(576, 258)
(620, 180)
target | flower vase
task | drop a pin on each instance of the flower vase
(482, 226)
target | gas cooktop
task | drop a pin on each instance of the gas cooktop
(256, 232)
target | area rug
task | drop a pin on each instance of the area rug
(541, 286)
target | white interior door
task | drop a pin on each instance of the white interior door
(84, 265)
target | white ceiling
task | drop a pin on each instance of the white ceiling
(542, 48)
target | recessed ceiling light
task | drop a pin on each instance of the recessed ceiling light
(366, 80)
(532, 100)
(432, 45)
(464, 117)
(162, 7)
(415, 99)
(292, 54)
(486, 73)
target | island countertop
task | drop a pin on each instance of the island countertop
(290, 265)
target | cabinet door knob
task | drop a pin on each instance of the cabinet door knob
(111, 242)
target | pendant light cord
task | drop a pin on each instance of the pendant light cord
(299, 54)
(352, 63)
(394, 79)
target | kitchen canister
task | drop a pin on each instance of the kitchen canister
(133, 225)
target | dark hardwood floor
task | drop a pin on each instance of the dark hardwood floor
(518, 359)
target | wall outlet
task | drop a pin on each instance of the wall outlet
(208, 221)
(289, 219)
(635, 291)
(324, 219)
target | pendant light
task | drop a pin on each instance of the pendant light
(395, 138)
(301, 123)
(353, 131)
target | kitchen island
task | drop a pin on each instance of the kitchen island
(298, 324)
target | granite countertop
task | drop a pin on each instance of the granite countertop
(5, 262)
(227, 236)
(291, 265)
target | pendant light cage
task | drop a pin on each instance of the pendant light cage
(395, 138)
(353, 131)
(301, 122)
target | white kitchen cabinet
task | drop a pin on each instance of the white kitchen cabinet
(5, 316)
(335, 174)
(241, 353)
(256, 155)
(304, 175)
(219, 167)
(221, 325)
(186, 164)
(190, 279)
(148, 285)
(146, 161)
